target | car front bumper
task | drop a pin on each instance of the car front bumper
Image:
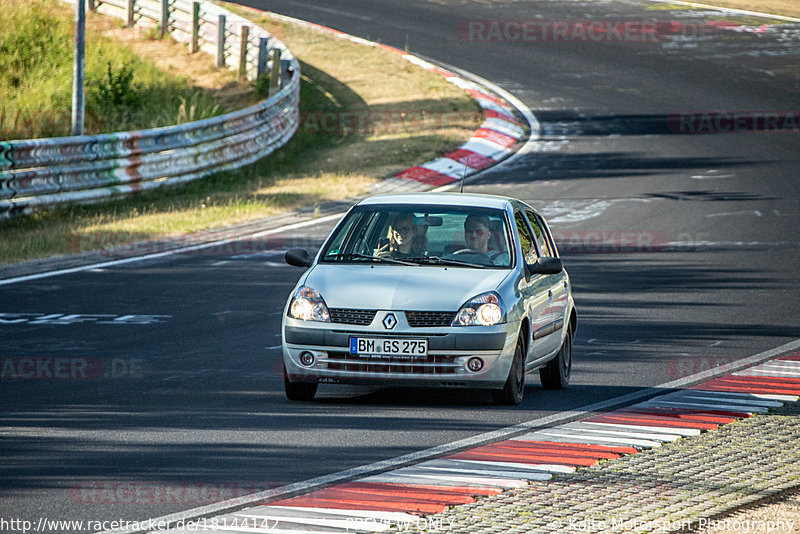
(449, 350)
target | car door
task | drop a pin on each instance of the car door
(557, 292)
(534, 290)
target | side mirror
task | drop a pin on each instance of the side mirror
(546, 265)
(298, 257)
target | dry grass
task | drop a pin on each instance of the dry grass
(787, 8)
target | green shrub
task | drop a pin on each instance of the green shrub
(117, 88)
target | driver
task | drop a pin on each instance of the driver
(477, 233)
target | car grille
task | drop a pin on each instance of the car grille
(416, 319)
(419, 319)
(432, 365)
(348, 316)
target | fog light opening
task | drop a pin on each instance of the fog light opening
(307, 359)
(475, 364)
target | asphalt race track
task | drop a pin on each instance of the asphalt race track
(668, 165)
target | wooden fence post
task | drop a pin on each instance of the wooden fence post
(243, 52)
(164, 18)
(220, 62)
(275, 72)
(195, 46)
(263, 56)
(130, 12)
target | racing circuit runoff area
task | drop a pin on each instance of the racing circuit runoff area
(192, 397)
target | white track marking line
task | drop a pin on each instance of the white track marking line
(705, 406)
(166, 253)
(499, 473)
(732, 396)
(373, 514)
(731, 401)
(634, 431)
(437, 480)
(300, 519)
(736, 395)
(591, 438)
(549, 468)
(488, 465)
(731, 10)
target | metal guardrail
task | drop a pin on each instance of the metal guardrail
(40, 173)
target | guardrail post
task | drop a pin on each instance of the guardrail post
(195, 46)
(130, 11)
(243, 52)
(220, 62)
(164, 18)
(275, 73)
(263, 56)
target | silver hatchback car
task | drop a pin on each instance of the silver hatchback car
(431, 289)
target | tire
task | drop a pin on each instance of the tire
(514, 388)
(555, 375)
(299, 391)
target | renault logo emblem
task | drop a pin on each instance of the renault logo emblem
(390, 321)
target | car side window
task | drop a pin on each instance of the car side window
(548, 235)
(525, 238)
(540, 233)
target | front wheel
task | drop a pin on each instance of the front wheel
(555, 375)
(514, 388)
(299, 391)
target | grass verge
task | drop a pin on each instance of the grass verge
(123, 90)
(787, 8)
(365, 114)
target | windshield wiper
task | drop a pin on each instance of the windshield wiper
(438, 260)
(354, 255)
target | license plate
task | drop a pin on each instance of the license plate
(397, 348)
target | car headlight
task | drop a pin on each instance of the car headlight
(484, 310)
(307, 305)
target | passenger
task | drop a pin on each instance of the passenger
(477, 233)
(405, 239)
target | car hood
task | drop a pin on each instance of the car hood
(392, 287)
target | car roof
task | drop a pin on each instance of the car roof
(443, 199)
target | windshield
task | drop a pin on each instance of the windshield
(422, 235)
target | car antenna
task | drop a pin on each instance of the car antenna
(463, 177)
